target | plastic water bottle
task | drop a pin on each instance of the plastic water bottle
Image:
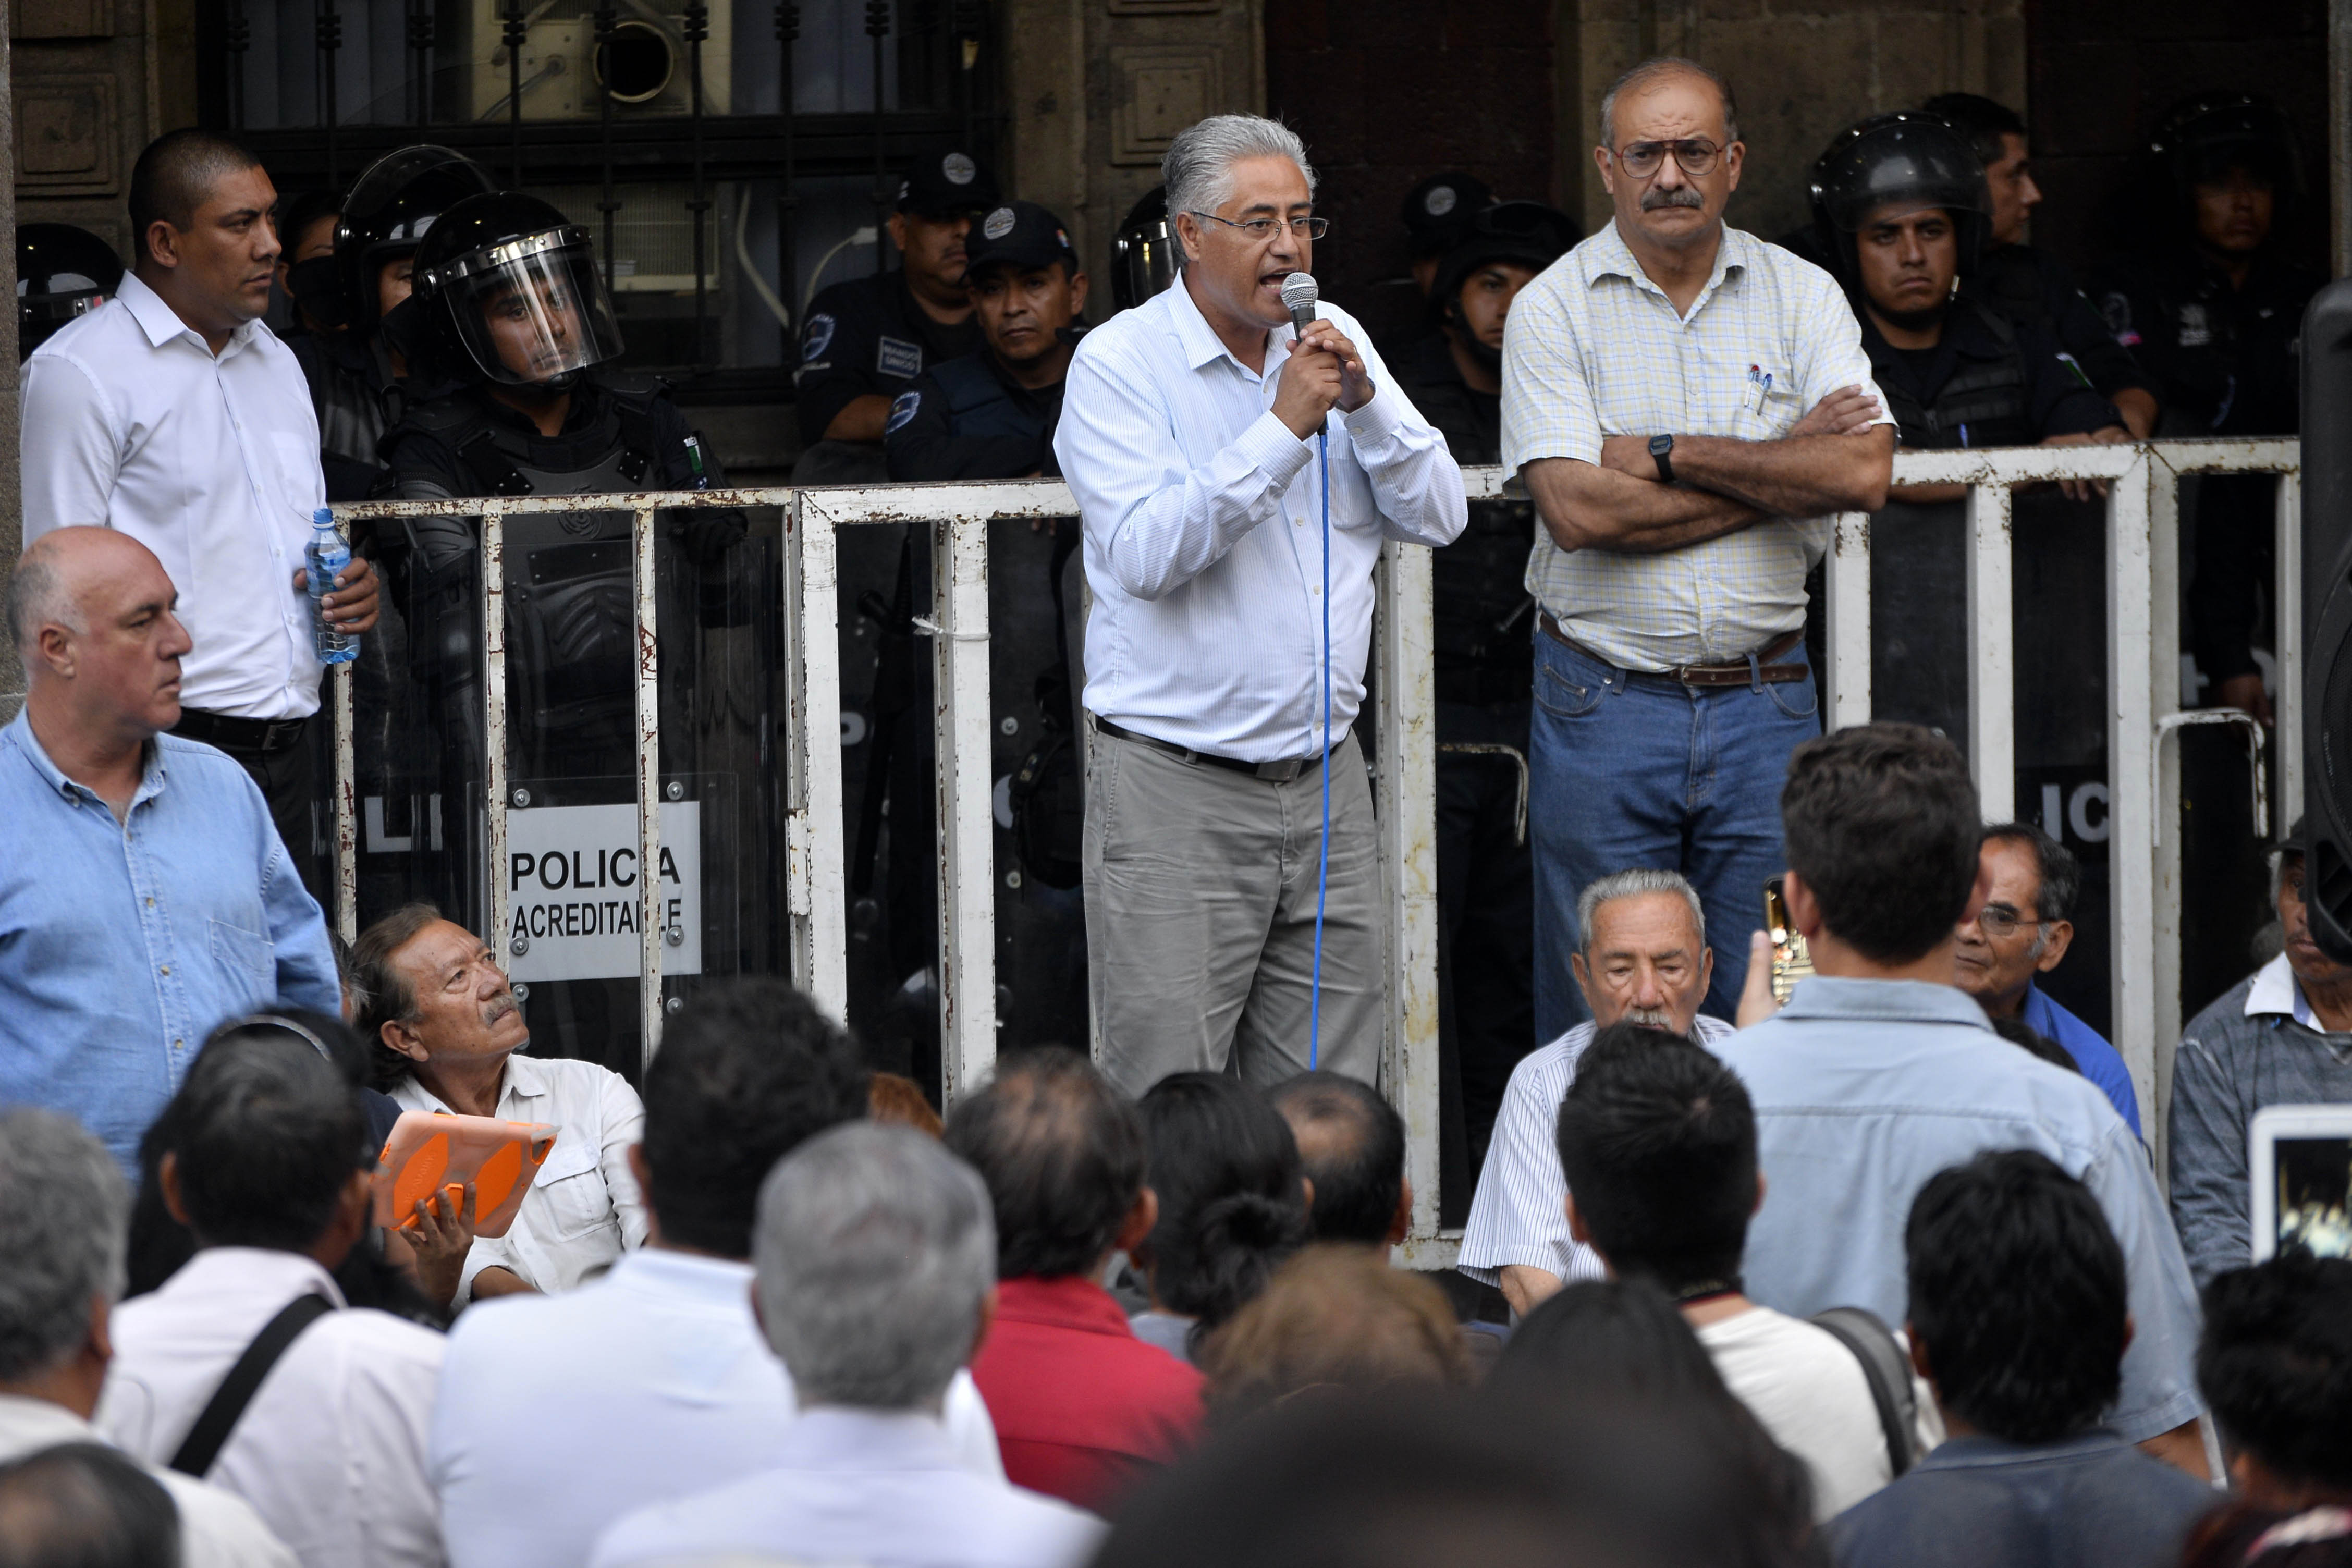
(325, 557)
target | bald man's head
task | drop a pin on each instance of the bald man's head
(90, 611)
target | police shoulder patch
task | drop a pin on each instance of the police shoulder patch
(817, 336)
(896, 357)
(902, 409)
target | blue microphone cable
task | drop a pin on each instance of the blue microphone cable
(1323, 868)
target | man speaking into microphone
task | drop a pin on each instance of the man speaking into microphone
(1189, 435)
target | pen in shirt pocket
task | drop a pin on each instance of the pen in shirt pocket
(1761, 380)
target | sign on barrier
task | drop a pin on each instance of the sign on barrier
(573, 896)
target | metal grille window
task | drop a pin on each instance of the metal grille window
(718, 150)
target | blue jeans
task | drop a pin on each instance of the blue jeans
(1632, 770)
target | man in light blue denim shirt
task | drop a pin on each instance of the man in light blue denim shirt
(1880, 1072)
(145, 895)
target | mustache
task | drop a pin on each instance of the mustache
(1680, 197)
(1652, 1018)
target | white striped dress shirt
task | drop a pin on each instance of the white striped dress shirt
(1594, 349)
(1518, 1214)
(1204, 537)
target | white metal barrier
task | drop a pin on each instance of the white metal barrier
(2143, 685)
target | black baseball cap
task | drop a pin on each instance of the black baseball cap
(1018, 233)
(945, 182)
(1435, 210)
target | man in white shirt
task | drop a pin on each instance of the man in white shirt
(653, 1382)
(272, 1173)
(1190, 433)
(172, 413)
(448, 1035)
(1659, 1141)
(1644, 960)
(63, 1211)
(877, 1257)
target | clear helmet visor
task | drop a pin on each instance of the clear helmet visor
(534, 310)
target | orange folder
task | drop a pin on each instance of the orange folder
(428, 1153)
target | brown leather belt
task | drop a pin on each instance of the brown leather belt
(1727, 674)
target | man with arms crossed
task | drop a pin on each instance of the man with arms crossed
(1646, 961)
(1188, 435)
(1686, 405)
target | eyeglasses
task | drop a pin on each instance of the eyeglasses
(2000, 921)
(1697, 155)
(1261, 229)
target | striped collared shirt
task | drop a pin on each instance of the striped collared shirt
(1594, 349)
(1517, 1215)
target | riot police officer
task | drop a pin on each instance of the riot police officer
(62, 273)
(866, 339)
(353, 363)
(1144, 252)
(2213, 311)
(1485, 880)
(1436, 214)
(510, 305)
(2029, 285)
(1900, 210)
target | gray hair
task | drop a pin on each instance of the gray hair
(64, 1212)
(38, 597)
(1652, 72)
(1631, 884)
(874, 1248)
(1198, 169)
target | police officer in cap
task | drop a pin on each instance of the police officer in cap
(2213, 311)
(866, 339)
(1900, 209)
(2029, 285)
(62, 273)
(1436, 214)
(1485, 880)
(353, 362)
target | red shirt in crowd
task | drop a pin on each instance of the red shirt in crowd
(1083, 1408)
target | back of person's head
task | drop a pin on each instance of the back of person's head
(2017, 1296)
(85, 1505)
(875, 1257)
(63, 1204)
(1063, 1154)
(896, 1098)
(1351, 1146)
(267, 1135)
(1232, 1205)
(2034, 1043)
(174, 175)
(1883, 825)
(1657, 1140)
(1415, 1477)
(1980, 118)
(1335, 1316)
(747, 1070)
(2275, 1364)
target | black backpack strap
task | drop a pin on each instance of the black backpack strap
(1887, 1371)
(205, 1440)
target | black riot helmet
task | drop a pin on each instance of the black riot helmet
(2201, 138)
(62, 273)
(508, 290)
(1890, 165)
(1144, 255)
(388, 216)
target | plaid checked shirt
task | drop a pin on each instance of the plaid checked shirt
(1594, 349)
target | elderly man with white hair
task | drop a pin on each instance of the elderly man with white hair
(876, 1254)
(1231, 565)
(1645, 959)
(64, 1212)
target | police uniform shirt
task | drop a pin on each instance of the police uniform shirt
(967, 419)
(868, 336)
(2224, 359)
(1979, 388)
(2033, 288)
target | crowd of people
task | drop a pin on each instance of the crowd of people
(1874, 1268)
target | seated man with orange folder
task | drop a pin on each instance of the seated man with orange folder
(446, 1033)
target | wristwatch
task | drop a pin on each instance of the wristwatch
(1661, 451)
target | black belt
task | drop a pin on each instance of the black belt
(1282, 770)
(232, 733)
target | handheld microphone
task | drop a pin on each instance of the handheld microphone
(1299, 297)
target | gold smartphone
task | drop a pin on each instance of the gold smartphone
(1790, 962)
